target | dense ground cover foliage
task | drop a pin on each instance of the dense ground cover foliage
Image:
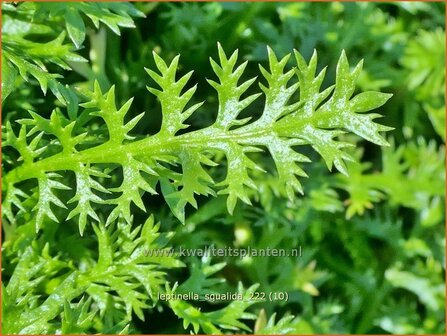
(260, 130)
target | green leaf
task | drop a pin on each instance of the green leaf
(270, 327)
(123, 279)
(47, 197)
(75, 26)
(125, 267)
(407, 170)
(77, 317)
(173, 102)
(200, 280)
(317, 118)
(9, 75)
(32, 58)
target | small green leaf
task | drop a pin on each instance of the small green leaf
(370, 100)
(75, 26)
(9, 75)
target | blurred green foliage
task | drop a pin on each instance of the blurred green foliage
(373, 243)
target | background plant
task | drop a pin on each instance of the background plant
(373, 243)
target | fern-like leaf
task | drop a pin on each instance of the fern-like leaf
(24, 57)
(317, 118)
(122, 280)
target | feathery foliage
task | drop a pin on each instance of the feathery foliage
(251, 151)
(309, 121)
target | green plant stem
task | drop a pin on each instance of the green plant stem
(158, 144)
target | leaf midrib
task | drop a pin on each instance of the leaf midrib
(157, 144)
